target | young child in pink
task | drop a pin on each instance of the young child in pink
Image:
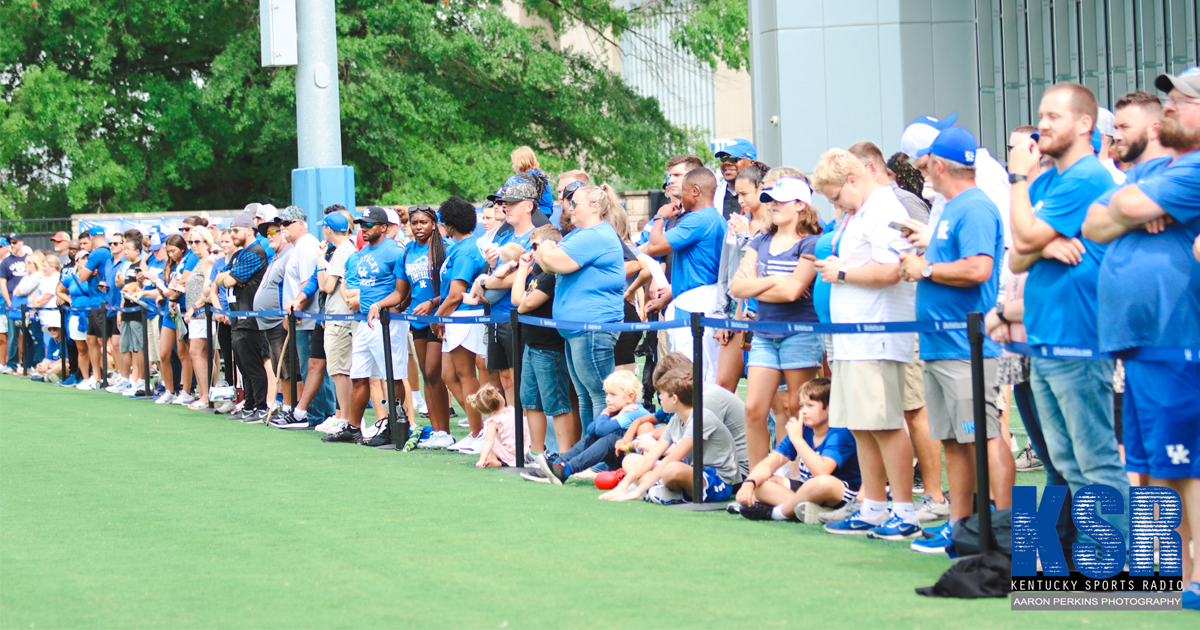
(499, 445)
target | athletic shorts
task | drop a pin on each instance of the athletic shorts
(1161, 414)
(276, 347)
(316, 349)
(131, 336)
(197, 328)
(625, 352)
(77, 326)
(367, 351)
(794, 352)
(426, 334)
(715, 488)
(499, 346)
(914, 387)
(866, 395)
(848, 494)
(469, 336)
(338, 348)
(950, 400)
(96, 319)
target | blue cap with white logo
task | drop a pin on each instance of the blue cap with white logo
(953, 143)
(96, 230)
(337, 222)
(738, 148)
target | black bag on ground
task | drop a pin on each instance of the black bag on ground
(988, 575)
(966, 534)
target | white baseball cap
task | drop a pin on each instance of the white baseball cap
(920, 134)
(393, 218)
(1106, 122)
(787, 189)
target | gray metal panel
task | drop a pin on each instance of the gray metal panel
(277, 29)
(843, 13)
(1012, 29)
(916, 10)
(1149, 40)
(1062, 15)
(797, 13)
(956, 78)
(1180, 51)
(853, 103)
(916, 50)
(804, 123)
(952, 11)
(766, 103)
(1089, 58)
(891, 84)
(1122, 67)
(991, 81)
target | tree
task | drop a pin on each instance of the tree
(133, 105)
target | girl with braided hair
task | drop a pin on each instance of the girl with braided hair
(421, 261)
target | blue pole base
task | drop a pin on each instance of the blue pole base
(316, 188)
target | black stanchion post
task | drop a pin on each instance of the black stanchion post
(149, 390)
(982, 504)
(103, 346)
(293, 358)
(390, 385)
(212, 339)
(64, 326)
(697, 410)
(518, 351)
(24, 332)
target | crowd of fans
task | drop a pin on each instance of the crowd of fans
(1086, 243)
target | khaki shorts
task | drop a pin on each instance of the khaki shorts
(338, 343)
(866, 395)
(914, 387)
(949, 392)
(152, 336)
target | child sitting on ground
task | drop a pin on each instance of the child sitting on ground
(510, 256)
(622, 390)
(668, 480)
(827, 460)
(499, 445)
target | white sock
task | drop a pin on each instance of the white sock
(286, 408)
(777, 513)
(875, 511)
(300, 414)
(905, 512)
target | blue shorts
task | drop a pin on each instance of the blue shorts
(544, 385)
(715, 488)
(794, 352)
(1161, 419)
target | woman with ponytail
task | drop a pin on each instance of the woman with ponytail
(422, 261)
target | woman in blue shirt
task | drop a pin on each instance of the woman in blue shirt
(778, 271)
(589, 287)
(463, 342)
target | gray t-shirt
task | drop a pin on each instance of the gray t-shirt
(269, 296)
(732, 412)
(718, 445)
(916, 207)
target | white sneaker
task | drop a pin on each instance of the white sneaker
(439, 440)
(184, 399)
(464, 423)
(471, 445)
(337, 426)
(461, 444)
(165, 399)
(87, 384)
(119, 385)
(133, 389)
(4, 369)
(328, 424)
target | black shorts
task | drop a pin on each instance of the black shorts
(627, 342)
(96, 319)
(425, 334)
(499, 346)
(317, 349)
(278, 351)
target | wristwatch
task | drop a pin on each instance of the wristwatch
(1000, 312)
(1016, 177)
(927, 272)
(841, 276)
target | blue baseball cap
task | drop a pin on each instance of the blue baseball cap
(953, 143)
(96, 230)
(738, 148)
(337, 222)
(1097, 140)
(155, 242)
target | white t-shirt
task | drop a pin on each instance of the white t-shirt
(1117, 174)
(864, 239)
(300, 267)
(334, 304)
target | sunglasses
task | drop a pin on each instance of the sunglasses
(286, 223)
(185, 229)
(367, 226)
(273, 232)
(196, 242)
(727, 158)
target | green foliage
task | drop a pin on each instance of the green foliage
(133, 105)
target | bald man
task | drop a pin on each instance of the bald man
(696, 244)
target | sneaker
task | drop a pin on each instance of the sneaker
(331, 424)
(463, 443)
(184, 399)
(281, 418)
(348, 434)
(86, 384)
(734, 507)
(252, 416)
(382, 437)
(1012, 444)
(70, 382)
(918, 481)
(842, 513)
(935, 540)
(474, 445)
(895, 529)
(1191, 597)
(438, 441)
(660, 494)
(165, 399)
(1028, 461)
(928, 509)
(118, 385)
(758, 512)
(226, 408)
(4, 369)
(553, 470)
(587, 475)
(535, 476)
(854, 525)
(134, 389)
(288, 422)
(464, 423)
(810, 513)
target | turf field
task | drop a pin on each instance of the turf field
(123, 514)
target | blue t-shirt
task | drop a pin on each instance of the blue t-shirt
(463, 262)
(76, 289)
(1060, 299)
(190, 260)
(376, 270)
(154, 269)
(100, 263)
(1150, 283)
(593, 293)
(969, 226)
(415, 270)
(696, 242)
(504, 305)
(838, 445)
(351, 278)
(12, 271)
(783, 264)
(821, 290)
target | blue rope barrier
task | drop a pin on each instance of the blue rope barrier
(1153, 354)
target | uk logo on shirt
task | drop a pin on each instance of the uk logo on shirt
(368, 270)
(1178, 454)
(418, 271)
(943, 230)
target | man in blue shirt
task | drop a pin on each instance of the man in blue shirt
(1074, 396)
(959, 273)
(695, 243)
(1162, 400)
(99, 272)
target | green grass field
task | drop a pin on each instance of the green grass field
(123, 514)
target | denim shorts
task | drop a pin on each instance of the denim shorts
(544, 382)
(794, 352)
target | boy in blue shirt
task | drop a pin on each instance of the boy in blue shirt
(813, 470)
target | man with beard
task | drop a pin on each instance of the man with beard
(734, 159)
(244, 274)
(1074, 397)
(1150, 296)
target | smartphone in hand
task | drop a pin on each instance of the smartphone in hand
(901, 228)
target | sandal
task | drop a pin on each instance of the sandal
(197, 406)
